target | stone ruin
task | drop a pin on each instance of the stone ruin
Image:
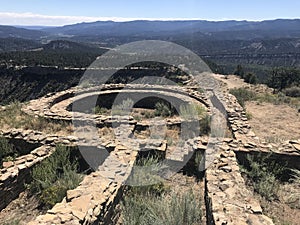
(227, 199)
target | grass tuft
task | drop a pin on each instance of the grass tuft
(6, 151)
(54, 176)
(14, 117)
(242, 95)
(294, 198)
(264, 175)
(12, 222)
(167, 209)
(157, 204)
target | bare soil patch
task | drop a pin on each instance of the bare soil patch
(281, 213)
(274, 123)
(231, 81)
(21, 211)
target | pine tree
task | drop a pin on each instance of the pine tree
(239, 71)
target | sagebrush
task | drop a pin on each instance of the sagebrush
(6, 150)
(167, 209)
(264, 175)
(54, 176)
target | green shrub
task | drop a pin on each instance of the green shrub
(169, 209)
(100, 110)
(170, 141)
(250, 78)
(192, 111)
(292, 91)
(242, 95)
(239, 71)
(264, 175)
(198, 159)
(266, 97)
(137, 118)
(124, 108)
(205, 124)
(6, 150)
(200, 90)
(294, 198)
(277, 99)
(54, 176)
(53, 194)
(273, 139)
(249, 116)
(147, 172)
(149, 115)
(163, 109)
(282, 99)
(12, 222)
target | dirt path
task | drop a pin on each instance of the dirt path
(231, 81)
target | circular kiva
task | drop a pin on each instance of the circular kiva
(58, 106)
(146, 51)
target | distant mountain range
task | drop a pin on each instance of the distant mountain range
(17, 32)
(205, 29)
(222, 37)
(47, 58)
(261, 44)
(222, 30)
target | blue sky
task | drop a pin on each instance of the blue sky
(60, 12)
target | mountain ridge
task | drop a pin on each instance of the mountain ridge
(194, 26)
(145, 29)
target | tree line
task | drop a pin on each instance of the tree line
(281, 79)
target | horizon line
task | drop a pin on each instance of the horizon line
(29, 19)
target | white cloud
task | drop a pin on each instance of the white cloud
(30, 19)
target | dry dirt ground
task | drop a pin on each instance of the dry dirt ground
(281, 214)
(231, 81)
(274, 123)
(20, 211)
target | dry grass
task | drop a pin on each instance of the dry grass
(274, 123)
(161, 203)
(168, 209)
(14, 117)
(172, 136)
(106, 133)
(286, 210)
(290, 192)
(143, 134)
